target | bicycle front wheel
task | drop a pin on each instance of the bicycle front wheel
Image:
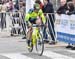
(40, 44)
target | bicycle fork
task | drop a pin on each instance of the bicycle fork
(34, 35)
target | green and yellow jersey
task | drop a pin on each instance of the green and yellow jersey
(34, 15)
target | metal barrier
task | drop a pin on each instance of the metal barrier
(51, 21)
(61, 28)
(12, 21)
(65, 26)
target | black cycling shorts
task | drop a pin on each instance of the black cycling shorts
(33, 20)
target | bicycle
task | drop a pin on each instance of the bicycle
(37, 39)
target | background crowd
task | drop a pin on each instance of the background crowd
(11, 5)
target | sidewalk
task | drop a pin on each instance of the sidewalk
(58, 44)
(5, 33)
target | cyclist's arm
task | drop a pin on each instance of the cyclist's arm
(27, 19)
(27, 16)
(42, 16)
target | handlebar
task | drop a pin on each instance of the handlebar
(36, 25)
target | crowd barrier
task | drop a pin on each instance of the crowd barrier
(50, 26)
(11, 21)
(65, 27)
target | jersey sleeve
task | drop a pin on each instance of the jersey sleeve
(27, 16)
(42, 16)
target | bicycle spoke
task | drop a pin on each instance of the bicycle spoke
(40, 45)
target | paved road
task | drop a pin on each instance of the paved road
(15, 48)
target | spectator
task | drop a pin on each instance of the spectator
(11, 6)
(48, 8)
(4, 6)
(74, 6)
(73, 12)
(66, 8)
(70, 8)
(3, 15)
(63, 8)
(22, 7)
(22, 10)
(17, 5)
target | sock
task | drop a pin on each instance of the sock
(28, 42)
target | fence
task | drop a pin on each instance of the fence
(62, 26)
(12, 21)
(65, 27)
(50, 26)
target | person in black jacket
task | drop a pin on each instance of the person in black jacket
(63, 8)
(71, 9)
(48, 8)
(66, 7)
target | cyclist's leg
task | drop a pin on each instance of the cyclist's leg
(33, 21)
(39, 22)
(29, 34)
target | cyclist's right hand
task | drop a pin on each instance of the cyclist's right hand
(29, 24)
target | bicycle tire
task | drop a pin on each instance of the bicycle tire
(40, 39)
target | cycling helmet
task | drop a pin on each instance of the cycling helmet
(36, 6)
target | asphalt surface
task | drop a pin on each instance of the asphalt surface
(16, 48)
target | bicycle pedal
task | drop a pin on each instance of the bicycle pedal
(28, 47)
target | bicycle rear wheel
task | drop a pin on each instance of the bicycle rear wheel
(40, 44)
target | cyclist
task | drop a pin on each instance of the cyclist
(31, 18)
